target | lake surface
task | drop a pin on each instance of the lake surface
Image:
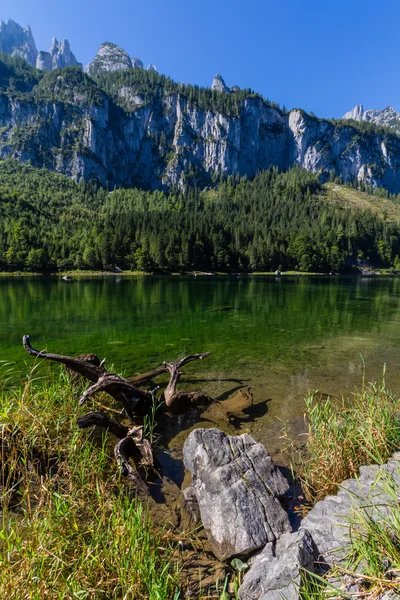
(282, 336)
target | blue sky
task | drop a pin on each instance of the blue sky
(322, 56)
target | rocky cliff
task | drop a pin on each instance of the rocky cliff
(137, 127)
(61, 54)
(387, 117)
(18, 41)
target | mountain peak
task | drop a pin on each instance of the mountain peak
(219, 84)
(388, 117)
(109, 57)
(18, 41)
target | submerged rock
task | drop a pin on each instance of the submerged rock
(237, 487)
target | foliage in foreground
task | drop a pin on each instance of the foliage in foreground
(345, 434)
(69, 532)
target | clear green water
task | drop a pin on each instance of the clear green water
(281, 336)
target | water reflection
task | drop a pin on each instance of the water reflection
(286, 335)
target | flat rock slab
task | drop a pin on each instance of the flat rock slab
(237, 487)
(275, 572)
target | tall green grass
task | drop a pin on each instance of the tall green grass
(374, 529)
(67, 528)
(345, 434)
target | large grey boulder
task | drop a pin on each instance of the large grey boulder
(275, 572)
(219, 85)
(237, 487)
(109, 57)
(18, 41)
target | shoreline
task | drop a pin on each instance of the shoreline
(81, 274)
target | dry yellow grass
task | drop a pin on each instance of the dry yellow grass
(351, 198)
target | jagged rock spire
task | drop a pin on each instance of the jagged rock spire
(18, 41)
(219, 85)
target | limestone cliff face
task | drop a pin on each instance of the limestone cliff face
(44, 61)
(109, 57)
(173, 141)
(17, 41)
(61, 54)
(387, 117)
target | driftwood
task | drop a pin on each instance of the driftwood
(132, 444)
(174, 400)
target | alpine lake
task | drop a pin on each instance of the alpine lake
(282, 337)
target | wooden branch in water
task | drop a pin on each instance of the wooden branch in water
(126, 391)
(138, 379)
(79, 365)
(120, 389)
(117, 387)
(179, 401)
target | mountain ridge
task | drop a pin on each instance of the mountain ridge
(387, 117)
(123, 125)
(136, 127)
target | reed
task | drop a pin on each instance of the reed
(345, 434)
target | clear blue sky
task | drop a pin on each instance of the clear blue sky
(323, 56)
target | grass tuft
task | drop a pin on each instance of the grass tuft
(67, 528)
(345, 434)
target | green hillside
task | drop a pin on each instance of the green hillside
(278, 220)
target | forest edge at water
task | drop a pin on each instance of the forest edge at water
(284, 221)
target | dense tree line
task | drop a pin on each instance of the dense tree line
(154, 87)
(278, 220)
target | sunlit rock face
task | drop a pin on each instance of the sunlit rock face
(158, 143)
(61, 54)
(219, 85)
(137, 63)
(18, 41)
(44, 62)
(129, 136)
(387, 117)
(109, 57)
